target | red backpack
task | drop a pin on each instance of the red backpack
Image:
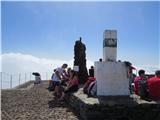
(88, 82)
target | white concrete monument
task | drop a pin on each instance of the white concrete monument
(110, 45)
(111, 75)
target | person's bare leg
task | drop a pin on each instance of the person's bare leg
(62, 96)
(56, 90)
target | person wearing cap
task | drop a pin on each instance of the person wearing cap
(57, 77)
(154, 86)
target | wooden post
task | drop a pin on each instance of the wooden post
(19, 79)
(25, 77)
(11, 82)
(1, 80)
(30, 75)
(46, 75)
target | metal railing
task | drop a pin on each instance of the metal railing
(13, 80)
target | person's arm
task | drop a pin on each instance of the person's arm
(70, 84)
(64, 77)
(52, 76)
(64, 74)
(73, 81)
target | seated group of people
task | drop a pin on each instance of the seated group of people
(147, 87)
(69, 81)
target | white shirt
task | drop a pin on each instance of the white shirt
(55, 77)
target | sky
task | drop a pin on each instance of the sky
(47, 31)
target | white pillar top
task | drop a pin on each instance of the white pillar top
(110, 45)
(110, 38)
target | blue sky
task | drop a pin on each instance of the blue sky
(50, 29)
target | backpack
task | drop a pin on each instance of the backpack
(88, 82)
(142, 89)
(92, 89)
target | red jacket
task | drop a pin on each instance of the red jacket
(154, 88)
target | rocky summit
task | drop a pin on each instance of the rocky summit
(34, 102)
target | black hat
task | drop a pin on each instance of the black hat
(157, 73)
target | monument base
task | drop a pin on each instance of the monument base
(111, 79)
(113, 108)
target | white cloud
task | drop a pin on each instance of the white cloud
(18, 63)
(14, 63)
(150, 69)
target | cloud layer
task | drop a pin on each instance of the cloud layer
(14, 63)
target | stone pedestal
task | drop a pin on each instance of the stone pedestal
(111, 54)
(111, 79)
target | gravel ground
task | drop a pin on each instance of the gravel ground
(35, 103)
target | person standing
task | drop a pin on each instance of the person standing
(154, 86)
(137, 79)
(37, 77)
(58, 77)
(91, 71)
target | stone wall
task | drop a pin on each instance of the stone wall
(113, 108)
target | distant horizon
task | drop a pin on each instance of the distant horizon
(33, 63)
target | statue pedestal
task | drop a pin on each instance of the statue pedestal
(111, 79)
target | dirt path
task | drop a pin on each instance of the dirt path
(35, 103)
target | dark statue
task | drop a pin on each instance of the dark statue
(80, 60)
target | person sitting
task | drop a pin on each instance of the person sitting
(66, 76)
(57, 77)
(72, 84)
(137, 79)
(154, 86)
(91, 71)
